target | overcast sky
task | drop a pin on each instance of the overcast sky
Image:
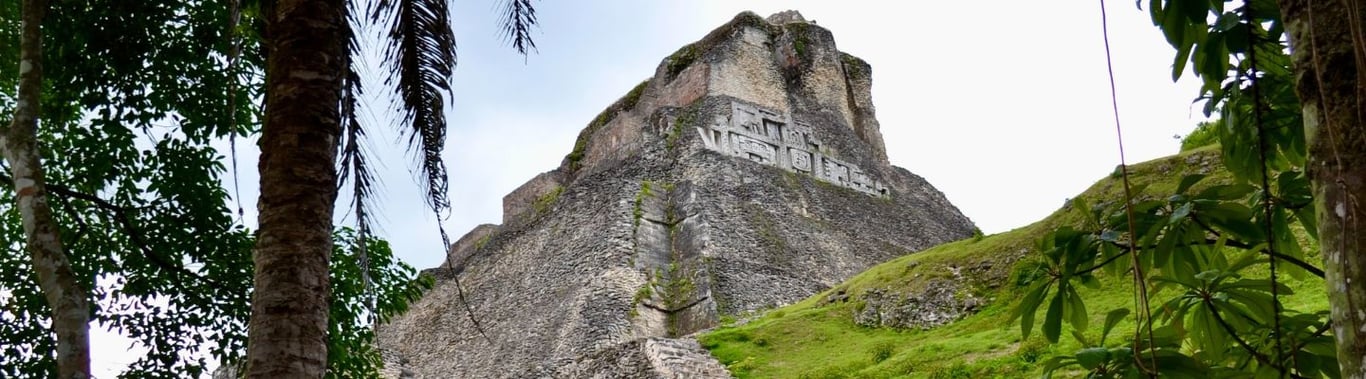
(1002, 105)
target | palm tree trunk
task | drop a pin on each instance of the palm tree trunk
(70, 308)
(304, 66)
(1329, 52)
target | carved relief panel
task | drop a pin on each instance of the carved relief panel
(801, 160)
(755, 150)
(770, 138)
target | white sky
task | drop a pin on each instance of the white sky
(1003, 105)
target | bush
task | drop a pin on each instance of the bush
(882, 350)
(1205, 134)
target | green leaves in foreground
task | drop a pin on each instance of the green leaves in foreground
(366, 291)
(1206, 251)
(1068, 254)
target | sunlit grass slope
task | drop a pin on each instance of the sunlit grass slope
(817, 338)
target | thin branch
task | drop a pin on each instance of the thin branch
(1206, 242)
(1140, 285)
(82, 227)
(1262, 358)
(1243, 245)
(1316, 334)
(1126, 250)
(120, 214)
(1262, 147)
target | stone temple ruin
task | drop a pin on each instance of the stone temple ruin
(748, 173)
(774, 139)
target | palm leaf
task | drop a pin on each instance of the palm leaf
(420, 58)
(518, 19)
(354, 164)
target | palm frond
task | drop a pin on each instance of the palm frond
(354, 166)
(420, 57)
(518, 19)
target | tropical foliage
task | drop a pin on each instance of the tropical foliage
(1206, 133)
(1208, 262)
(131, 134)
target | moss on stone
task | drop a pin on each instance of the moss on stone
(547, 200)
(854, 68)
(633, 97)
(479, 244)
(799, 42)
(680, 60)
(642, 293)
(767, 231)
(639, 211)
(748, 18)
(685, 56)
(624, 104)
(688, 117)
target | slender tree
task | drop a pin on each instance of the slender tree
(1328, 48)
(305, 60)
(312, 87)
(65, 296)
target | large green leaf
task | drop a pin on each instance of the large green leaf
(1188, 181)
(1092, 357)
(1028, 306)
(1174, 22)
(1111, 319)
(1076, 309)
(1052, 321)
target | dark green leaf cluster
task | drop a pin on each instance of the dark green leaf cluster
(1203, 245)
(136, 94)
(357, 305)
(1209, 247)
(1223, 47)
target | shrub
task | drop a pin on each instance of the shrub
(1205, 134)
(882, 350)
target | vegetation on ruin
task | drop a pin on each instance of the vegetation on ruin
(817, 338)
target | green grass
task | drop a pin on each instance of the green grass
(816, 338)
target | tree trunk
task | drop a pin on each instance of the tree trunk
(66, 297)
(289, 310)
(1329, 52)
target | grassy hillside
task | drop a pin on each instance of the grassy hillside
(819, 338)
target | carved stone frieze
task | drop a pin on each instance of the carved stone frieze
(774, 139)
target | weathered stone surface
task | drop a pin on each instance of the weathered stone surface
(675, 207)
(533, 193)
(784, 17)
(941, 302)
(467, 244)
(662, 358)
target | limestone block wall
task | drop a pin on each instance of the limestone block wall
(534, 192)
(748, 173)
(785, 65)
(467, 244)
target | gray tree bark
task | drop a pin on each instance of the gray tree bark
(1328, 47)
(66, 297)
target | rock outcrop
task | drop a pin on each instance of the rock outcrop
(747, 174)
